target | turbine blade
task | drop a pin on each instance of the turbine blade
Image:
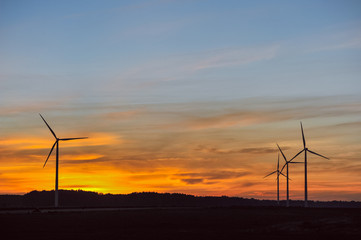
(50, 153)
(297, 155)
(269, 174)
(303, 137)
(51, 130)
(317, 154)
(296, 162)
(282, 153)
(68, 139)
(278, 162)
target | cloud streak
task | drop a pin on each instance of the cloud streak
(179, 67)
(254, 150)
(235, 57)
(209, 177)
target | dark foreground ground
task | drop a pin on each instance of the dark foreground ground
(186, 223)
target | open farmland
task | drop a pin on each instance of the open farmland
(186, 223)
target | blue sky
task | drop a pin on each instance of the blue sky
(137, 73)
(180, 50)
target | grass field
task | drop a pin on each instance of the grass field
(187, 223)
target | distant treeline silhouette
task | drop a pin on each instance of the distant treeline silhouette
(80, 198)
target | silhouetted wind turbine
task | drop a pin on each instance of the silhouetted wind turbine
(57, 157)
(305, 149)
(286, 165)
(278, 178)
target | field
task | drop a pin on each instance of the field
(186, 223)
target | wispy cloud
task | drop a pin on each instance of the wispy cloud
(352, 43)
(336, 38)
(234, 118)
(254, 150)
(209, 177)
(245, 113)
(340, 37)
(235, 57)
(122, 114)
(183, 66)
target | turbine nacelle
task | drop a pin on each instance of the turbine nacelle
(286, 161)
(57, 139)
(305, 148)
(277, 171)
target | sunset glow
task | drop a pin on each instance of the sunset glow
(181, 96)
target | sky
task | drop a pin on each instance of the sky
(181, 96)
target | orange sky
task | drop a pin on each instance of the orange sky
(200, 148)
(181, 96)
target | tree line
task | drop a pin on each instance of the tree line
(80, 198)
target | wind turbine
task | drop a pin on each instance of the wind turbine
(57, 158)
(286, 165)
(278, 178)
(305, 149)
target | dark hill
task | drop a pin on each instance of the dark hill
(79, 198)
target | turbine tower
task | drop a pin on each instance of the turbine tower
(305, 149)
(278, 179)
(286, 165)
(57, 158)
